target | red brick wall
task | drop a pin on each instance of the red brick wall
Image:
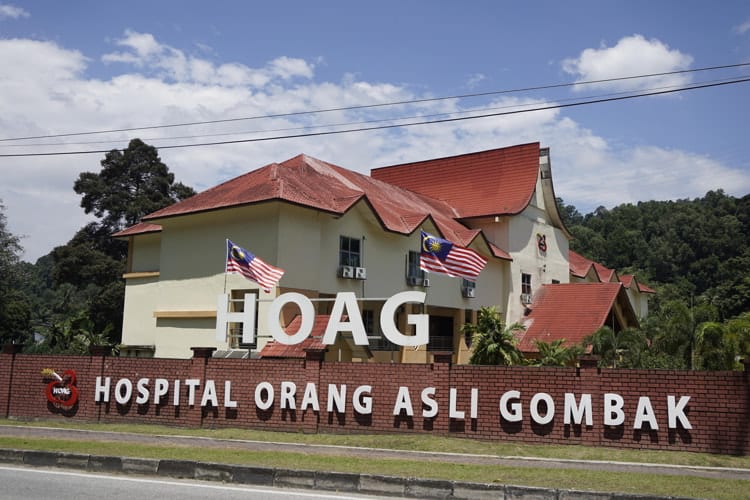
(719, 408)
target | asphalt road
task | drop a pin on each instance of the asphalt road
(327, 450)
(44, 484)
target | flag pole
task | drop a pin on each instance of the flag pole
(226, 249)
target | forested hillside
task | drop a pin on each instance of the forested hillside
(696, 251)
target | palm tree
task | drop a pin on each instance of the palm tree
(555, 354)
(492, 343)
(625, 348)
(715, 348)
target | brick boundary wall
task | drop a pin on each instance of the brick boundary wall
(718, 409)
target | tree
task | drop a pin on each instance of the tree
(73, 335)
(131, 184)
(15, 309)
(492, 343)
(624, 349)
(714, 348)
(556, 354)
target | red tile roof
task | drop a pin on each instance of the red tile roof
(320, 185)
(605, 273)
(568, 311)
(487, 183)
(628, 279)
(579, 265)
(275, 349)
(140, 228)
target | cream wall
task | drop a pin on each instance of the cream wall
(544, 267)
(145, 253)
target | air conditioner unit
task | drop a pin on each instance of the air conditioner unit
(525, 298)
(425, 282)
(360, 273)
(414, 281)
(469, 293)
(346, 272)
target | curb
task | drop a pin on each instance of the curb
(304, 479)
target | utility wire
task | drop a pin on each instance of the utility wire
(411, 124)
(370, 106)
(349, 123)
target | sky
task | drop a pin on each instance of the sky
(89, 66)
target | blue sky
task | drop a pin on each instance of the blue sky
(89, 66)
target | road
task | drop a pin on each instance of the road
(43, 484)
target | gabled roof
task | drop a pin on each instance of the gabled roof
(628, 279)
(140, 228)
(606, 274)
(502, 181)
(320, 185)
(580, 266)
(571, 311)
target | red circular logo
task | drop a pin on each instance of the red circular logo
(63, 392)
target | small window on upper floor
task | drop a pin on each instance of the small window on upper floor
(525, 283)
(349, 252)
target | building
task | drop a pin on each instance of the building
(333, 230)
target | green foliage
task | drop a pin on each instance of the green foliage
(72, 335)
(625, 349)
(492, 343)
(74, 296)
(556, 354)
(131, 184)
(700, 247)
(15, 308)
(696, 254)
(714, 349)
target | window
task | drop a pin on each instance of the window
(441, 333)
(412, 266)
(525, 284)
(349, 251)
(555, 282)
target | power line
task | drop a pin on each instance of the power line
(411, 124)
(378, 105)
(347, 124)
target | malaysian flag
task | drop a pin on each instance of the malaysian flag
(251, 267)
(442, 256)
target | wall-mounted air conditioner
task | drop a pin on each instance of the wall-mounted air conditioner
(525, 298)
(360, 273)
(346, 272)
(468, 292)
(417, 281)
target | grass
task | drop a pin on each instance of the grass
(655, 484)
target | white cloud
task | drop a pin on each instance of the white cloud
(12, 12)
(742, 28)
(475, 80)
(143, 51)
(632, 55)
(49, 92)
